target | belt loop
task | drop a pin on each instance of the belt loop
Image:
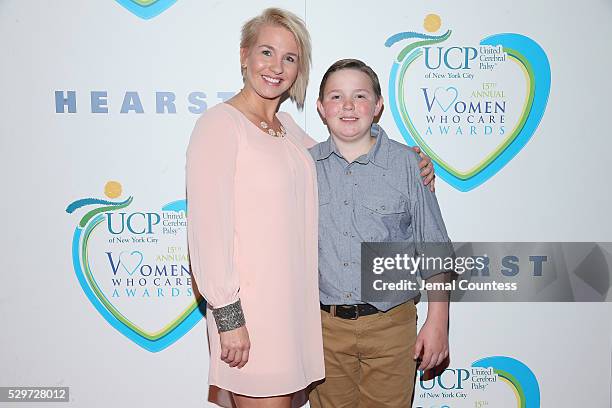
(332, 310)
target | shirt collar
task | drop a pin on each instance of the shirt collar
(378, 154)
(326, 148)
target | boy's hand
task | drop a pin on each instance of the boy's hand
(432, 343)
(427, 169)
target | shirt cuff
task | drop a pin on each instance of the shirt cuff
(229, 317)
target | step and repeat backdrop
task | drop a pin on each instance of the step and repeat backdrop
(510, 99)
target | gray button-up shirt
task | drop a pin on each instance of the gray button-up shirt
(380, 197)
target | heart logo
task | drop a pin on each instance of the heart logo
(517, 375)
(449, 95)
(129, 260)
(474, 127)
(146, 9)
(152, 303)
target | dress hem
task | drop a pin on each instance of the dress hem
(293, 390)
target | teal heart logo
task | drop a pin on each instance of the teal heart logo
(128, 262)
(146, 9)
(147, 307)
(474, 127)
(445, 97)
(517, 375)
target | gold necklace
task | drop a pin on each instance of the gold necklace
(267, 128)
(263, 124)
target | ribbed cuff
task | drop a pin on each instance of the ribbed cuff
(229, 317)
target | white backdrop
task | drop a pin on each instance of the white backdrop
(555, 189)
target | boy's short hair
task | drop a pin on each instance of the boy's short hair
(350, 63)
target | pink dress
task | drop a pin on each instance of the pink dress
(252, 228)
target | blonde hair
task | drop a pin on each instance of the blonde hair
(295, 25)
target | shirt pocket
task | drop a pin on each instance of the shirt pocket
(384, 219)
(325, 214)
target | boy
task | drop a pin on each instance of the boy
(370, 190)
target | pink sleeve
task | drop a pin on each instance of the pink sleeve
(302, 136)
(307, 140)
(210, 171)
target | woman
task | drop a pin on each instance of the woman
(251, 188)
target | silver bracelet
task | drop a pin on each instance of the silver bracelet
(229, 317)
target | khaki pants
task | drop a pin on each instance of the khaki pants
(368, 361)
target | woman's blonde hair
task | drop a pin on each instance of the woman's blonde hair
(295, 25)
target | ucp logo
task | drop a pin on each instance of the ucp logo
(487, 380)
(450, 379)
(130, 258)
(136, 223)
(452, 57)
(470, 107)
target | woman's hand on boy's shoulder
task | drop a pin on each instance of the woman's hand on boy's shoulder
(427, 169)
